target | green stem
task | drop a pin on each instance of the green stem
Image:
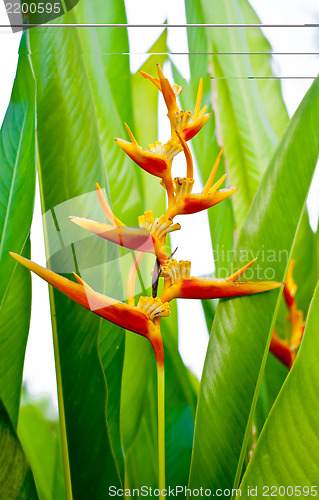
(64, 442)
(157, 344)
(161, 424)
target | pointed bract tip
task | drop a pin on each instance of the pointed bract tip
(82, 282)
(160, 71)
(266, 285)
(134, 141)
(76, 220)
(78, 278)
(97, 186)
(241, 271)
(19, 258)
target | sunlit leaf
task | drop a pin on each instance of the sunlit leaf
(17, 187)
(208, 142)
(251, 112)
(242, 327)
(76, 145)
(16, 480)
(39, 440)
(287, 452)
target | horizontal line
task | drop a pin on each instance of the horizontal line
(160, 25)
(210, 53)
(264, 77)
(228, 53)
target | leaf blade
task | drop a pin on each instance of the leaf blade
(245, 325)
(284, 456)
(17, 158)
(16, 480)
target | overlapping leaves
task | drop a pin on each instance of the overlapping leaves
(240, 336)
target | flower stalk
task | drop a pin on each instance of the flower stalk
(161, 424)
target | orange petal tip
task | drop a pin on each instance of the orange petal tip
(160, 71)
(75, 219)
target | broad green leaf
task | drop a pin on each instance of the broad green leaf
(207, 143)
(76, 149)
(273, 378)
(181, 400)
(38, 437)
(240, 337)
(58, 479)
(180, 404)
(17, 187)
(113, 42)
(206, 148)
(261, 62)
(145, 101)
(287, 450)
(16, 480)
(305, 273)
(106, 63)
(209, 308)
(251, 115)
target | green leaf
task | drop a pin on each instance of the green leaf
(251, 114)
(76, 148)
(305, 274)
(17, 188)
(145, 101)
(140, 431)
(242, 327)
(209, 308)
(58, 479)
(16, 480)
(273, 378)
(261, 62)
(287, 452)
(181, 400)
(38, 437)
(207, 143)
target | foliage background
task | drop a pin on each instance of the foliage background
(75, 141)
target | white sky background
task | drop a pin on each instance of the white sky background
(39, 365)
